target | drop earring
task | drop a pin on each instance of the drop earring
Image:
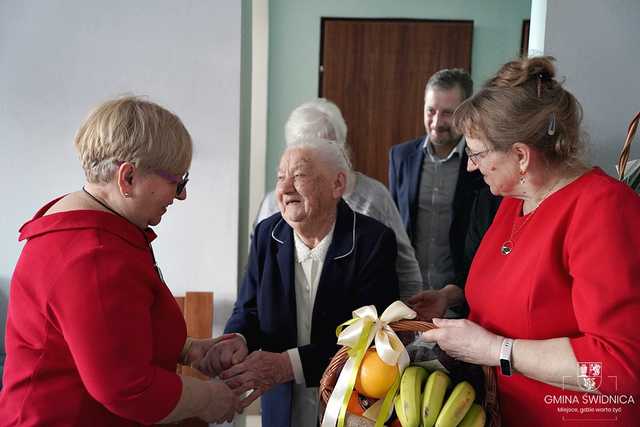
(522, 179)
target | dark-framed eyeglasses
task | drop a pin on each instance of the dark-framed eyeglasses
(476, 157)
(180, 181)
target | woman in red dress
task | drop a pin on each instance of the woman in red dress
(93, 333)
(554, 289)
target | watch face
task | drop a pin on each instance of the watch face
(505, 367)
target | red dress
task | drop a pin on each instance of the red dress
(93, 335)
(574, 272)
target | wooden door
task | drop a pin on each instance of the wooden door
(375, 70)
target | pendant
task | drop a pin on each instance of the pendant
(507, 247)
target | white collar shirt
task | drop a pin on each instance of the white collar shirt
(308, 269)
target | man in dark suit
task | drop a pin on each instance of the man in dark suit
(310, 266)
(434, 192)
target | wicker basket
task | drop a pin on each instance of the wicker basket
(332, 372)
(632, 178)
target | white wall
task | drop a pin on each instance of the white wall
(596, 45)
(537, 27)
(59, 58)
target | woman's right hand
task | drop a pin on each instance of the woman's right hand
(465, 340)
(221, 355)
(212, 401)
(222, 405)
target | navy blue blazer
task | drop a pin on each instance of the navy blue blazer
(359, 270)
(405, 173)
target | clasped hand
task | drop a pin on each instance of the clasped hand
(211, 357)
(260, 371)
(256, 372)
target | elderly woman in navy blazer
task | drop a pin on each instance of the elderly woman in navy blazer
(310, 266)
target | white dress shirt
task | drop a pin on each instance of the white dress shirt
(308, 268)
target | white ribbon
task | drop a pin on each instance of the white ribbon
(388, 346)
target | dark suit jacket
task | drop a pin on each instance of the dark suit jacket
(359, 270)
(405, 170)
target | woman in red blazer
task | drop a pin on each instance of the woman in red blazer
(93, 333)
(554, 289)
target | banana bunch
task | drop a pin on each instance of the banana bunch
(433, 397)
(422, 403)
(408, 404)
(476, 417)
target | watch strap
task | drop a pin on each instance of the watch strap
(505, 356)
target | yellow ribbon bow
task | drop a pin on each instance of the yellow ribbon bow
(358, 333)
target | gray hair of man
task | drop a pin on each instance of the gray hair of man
(450, 78)
(320, 120)
(329, 153)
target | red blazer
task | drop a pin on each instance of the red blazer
(574, 272)
(93, 335)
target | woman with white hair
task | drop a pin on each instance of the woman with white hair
(310, 266)
(321, 118)
(93, 332)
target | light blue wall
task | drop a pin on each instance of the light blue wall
(294, 45)
(245, 137)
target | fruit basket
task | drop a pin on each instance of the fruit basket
(489, 400)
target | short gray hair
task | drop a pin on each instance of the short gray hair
(330, 153)
(450, 78)
(319, 118)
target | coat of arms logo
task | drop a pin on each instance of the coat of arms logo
(589, 375)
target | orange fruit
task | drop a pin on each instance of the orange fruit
(354, 404)
(358, 404)
(375, 377)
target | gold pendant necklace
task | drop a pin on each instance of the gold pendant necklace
(507, 246)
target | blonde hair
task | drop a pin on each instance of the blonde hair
(130, 129)
(524, 103)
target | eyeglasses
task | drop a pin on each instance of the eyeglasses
(180, 181)
(475, 157)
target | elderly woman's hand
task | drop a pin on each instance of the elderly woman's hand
(220, 354)
(259, 372)
(466, 341)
